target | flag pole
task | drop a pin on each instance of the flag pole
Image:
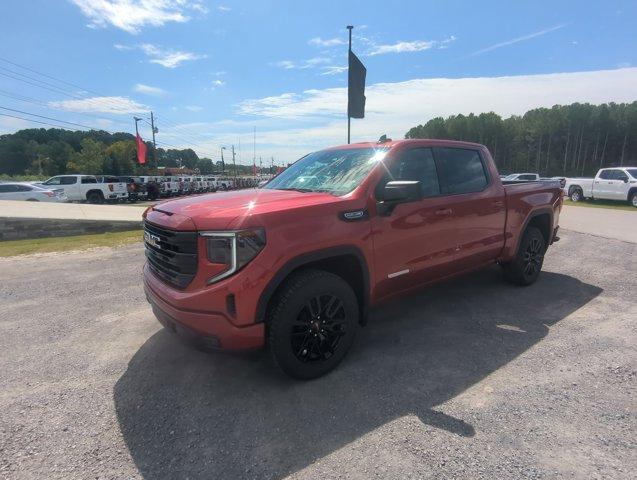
(349, 51)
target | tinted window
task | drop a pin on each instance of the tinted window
(461, 170)
(67, 181)
(417, 164)
(606, 174)
(526, 177)
(88, 180)
(619, 175)
(23, 188)
(633, 172)
(7, 188)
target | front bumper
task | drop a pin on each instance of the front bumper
(211, 329)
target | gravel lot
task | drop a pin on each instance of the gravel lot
(469, 379)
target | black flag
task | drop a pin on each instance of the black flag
(356, 87)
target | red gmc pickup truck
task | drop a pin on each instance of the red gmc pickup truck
(297, 264)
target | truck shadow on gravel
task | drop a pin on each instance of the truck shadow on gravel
(185, 413)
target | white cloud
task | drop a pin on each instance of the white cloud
(167, 57)
(218, 83)
(223, 8)
(112, 105)
(287, 64)
(415, 46)
(148, 90)
(310, 63)
(132, 15)
(333, 70)
(328, 42)
(194, 108)
(121, 47)
(393, 108)
(518, 39)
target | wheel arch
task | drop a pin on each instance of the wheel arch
(348, 262)
(632, 191)
(542, 219)
(94, 190)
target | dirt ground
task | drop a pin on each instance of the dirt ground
(469, 379)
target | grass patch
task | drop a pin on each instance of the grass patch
(66, 244)
(618, 205)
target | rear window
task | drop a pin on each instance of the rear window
(67, 181)
(7, 188)
(461, 170)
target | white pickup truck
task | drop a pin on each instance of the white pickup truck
(80, 188)
(619, 183)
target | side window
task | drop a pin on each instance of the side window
(416, 164)
(23, 188)
(53, 181)
(68, 180)
(461, 170)
(606, 174)
(619, 175)
(527, 177)
(7, 188)
(88, 180)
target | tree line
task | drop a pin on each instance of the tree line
(568, 140)
(40, 152)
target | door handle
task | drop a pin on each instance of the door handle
(444, 212)
(498, 203)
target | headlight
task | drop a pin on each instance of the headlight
(233, 249)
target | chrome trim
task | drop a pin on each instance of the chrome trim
(233, 256)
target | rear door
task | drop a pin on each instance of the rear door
(475, 202)
(602, 184)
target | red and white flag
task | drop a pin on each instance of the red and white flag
(141, 150)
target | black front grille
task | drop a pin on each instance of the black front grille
(171, 255)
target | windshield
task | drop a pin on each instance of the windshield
(632, 172)
(334, 171)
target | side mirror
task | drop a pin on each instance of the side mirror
(625, 179)
(401, 191)
(396, 192)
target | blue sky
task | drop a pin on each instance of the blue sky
(212, 71)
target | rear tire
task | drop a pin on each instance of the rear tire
(312, 323)
(525, 268)
(576, 195)
(95, 198)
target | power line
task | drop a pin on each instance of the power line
(54, 119)
(31, 120)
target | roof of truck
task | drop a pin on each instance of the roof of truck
(420, 141)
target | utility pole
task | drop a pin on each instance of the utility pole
(152, 126)
(349, 51)
(254, 150)
(223, 165)
(235, 168)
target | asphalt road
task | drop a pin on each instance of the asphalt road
(469, 379)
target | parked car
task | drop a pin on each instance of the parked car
(135, 187)
(87, 188)
(30, 193)
(618, 183)
(169, 187)
(298, 266)
(515, 177)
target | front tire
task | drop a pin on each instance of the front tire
(525, 268)
(312, 323)
(633, 199)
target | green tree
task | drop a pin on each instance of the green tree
(121, 158)
(90, 160)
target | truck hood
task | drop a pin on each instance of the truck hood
(224, 210)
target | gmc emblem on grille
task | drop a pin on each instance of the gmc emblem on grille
(152, 240)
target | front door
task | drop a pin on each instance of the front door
(414, 243)
(619, 186)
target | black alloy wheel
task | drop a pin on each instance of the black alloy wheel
(316, 334)
(311, 323)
